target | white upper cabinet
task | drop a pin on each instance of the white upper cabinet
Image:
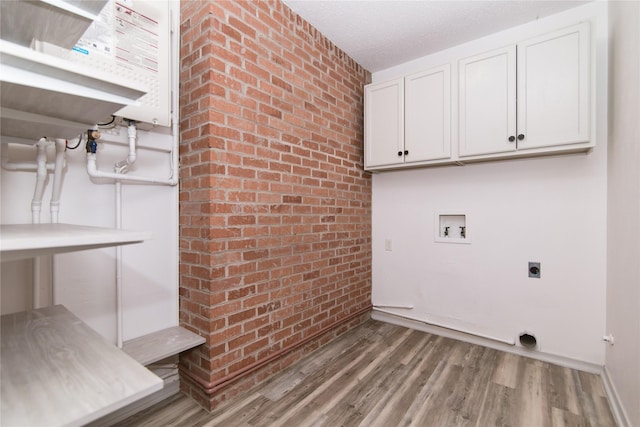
(553, 88)
(408, 120)
(427, 119)
(550, 107)
(487, 111)
(514, 99)
(384, 123)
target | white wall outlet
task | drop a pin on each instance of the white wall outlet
(388, 245)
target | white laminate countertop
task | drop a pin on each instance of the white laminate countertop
(19, 241)
(56, 371)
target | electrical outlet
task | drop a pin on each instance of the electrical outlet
(388, 245)
(534, 270)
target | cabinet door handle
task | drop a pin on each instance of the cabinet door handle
(406, 152)
(520, 137)
(399, 153)
(512, 138)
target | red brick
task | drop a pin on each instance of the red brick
(275, 209)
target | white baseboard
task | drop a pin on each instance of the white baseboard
(619, 413)
(485, 342)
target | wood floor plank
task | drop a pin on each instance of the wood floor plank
(563, 390)
(562, 418)
(499, 407)
(507, 369)
(352, 407)
(346, 379)
(177, 413)
(596, 410)
(240, 411)
(301, 395)
(591, 384)
(382, 375)
(533, 406)
(381, 384)
(396, 402)
(459, 353)
(418, 349)
(288, 379)
(603, 412)
(469, 395)
(434, 410)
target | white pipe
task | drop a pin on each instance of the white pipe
(132, 135)
(93, 172)
(451, 328)
(122, 165)
(25, 166)
(61, 146)
(408, 307)
(41, 178)
(54, 206)
(92, 169)
(175, 86)
(119, 320)
(175, 133)
(36, 206)
(35, 283)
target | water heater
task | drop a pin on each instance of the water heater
(132, 39)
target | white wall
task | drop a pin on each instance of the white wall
(623, 269)
(551, 210)
(85, 281)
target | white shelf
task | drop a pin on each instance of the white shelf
(33, 82)
(57, 371)
(162, 344)
(34, 126)
(19, 241)
(57, 21)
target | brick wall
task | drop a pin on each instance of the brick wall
(275, 209)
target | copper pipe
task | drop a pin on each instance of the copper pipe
(210, 387)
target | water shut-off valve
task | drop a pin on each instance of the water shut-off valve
(92, 136)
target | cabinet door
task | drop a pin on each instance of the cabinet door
(427, 115)
(384, 123)
(487, 110)
(553, 88)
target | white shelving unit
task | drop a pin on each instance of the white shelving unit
(45, 350)
(55, 369)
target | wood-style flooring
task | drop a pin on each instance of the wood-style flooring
(385, 375)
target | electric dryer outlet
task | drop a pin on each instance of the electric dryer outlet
(534, 270)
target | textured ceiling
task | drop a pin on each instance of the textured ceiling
(379, 34)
